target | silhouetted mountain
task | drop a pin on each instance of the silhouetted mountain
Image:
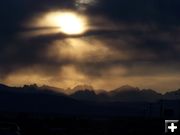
(172, 95)
(46, 87)
(134, 94)
(125, 88)
(125, 93)
(34, 99)
(76, 88)
(87, 95)
(51, 90)
(2, 86)
(82, 87)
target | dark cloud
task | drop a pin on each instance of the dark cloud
(16, 53)
(148, 11)
(143, 34)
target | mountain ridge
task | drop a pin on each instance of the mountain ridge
(34, 99)
(123, 93)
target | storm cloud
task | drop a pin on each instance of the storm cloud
(129, 41)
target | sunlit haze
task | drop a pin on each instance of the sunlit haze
(103, 43)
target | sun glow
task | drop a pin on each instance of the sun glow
(70, 23)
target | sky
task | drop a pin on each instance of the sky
(119, 42)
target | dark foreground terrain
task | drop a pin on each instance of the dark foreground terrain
(34, 111)
(87, 126)
(50, 125)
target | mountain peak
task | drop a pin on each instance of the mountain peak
(83, 87)
(45, 87)
(88, 95)
(2, 86)
(126, 88)
(35, 86)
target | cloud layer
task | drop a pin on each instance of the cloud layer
(127, 42)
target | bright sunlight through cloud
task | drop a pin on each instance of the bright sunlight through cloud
(69, 23)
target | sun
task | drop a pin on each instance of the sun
(71, 23)
(67, 22)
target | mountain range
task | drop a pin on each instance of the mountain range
(125, 93)
(126, 100)
(87, 93)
